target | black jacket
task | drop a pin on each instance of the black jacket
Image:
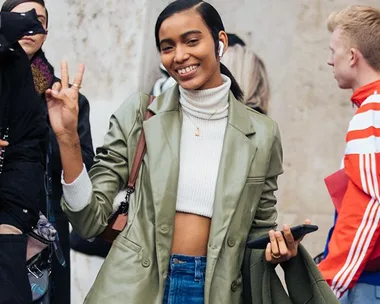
(22, 111)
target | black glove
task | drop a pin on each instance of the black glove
(14, 26)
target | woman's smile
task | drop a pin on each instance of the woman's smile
(187, 50)
(187, 71)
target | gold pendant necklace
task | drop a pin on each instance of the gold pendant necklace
(197, 129)
(197, 132)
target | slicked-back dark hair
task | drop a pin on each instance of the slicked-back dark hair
(214, 23)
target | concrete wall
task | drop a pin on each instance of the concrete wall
(115, 41)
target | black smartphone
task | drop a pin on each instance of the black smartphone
(297, 231)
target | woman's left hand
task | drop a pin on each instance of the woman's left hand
(282, 248)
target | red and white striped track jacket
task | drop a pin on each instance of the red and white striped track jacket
(354, 241)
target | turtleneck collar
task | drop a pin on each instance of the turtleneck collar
(361, 94)
(207, 104)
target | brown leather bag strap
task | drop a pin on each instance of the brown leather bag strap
(140, 151)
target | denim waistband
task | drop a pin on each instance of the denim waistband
(190, 265)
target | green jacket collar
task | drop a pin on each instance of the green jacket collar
(238, 116)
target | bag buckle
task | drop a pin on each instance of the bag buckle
(35, 271)
(124, 205)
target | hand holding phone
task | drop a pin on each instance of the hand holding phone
(297, 231)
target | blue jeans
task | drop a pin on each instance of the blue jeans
(362, 294)
(186, 280)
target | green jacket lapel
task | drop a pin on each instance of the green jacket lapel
(163, 135)
(237, 156)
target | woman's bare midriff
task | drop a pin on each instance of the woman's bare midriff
(191, 234)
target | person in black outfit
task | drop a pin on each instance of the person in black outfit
(23, 149)
(44, 78)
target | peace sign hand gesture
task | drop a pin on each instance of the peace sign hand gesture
(62, 102)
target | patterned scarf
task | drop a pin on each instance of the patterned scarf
(45, 229)
(43, 72)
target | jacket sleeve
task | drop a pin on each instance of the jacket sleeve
(357, 227)
(266, 214)
(304, 282)
(109, 173)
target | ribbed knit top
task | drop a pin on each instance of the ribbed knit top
(207, 111)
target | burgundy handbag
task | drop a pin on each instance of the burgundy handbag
(119, 219)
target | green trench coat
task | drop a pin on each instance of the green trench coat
(136, 268)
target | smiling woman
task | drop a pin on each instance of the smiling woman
(205, 185)
(198, 34)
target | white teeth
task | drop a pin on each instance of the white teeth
(187, 69)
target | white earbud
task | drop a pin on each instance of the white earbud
(221, 48)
